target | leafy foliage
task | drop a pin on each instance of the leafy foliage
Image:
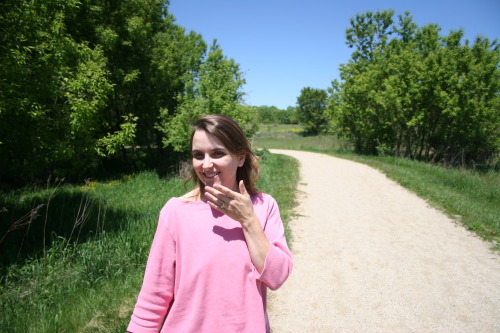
(110, 144)
(311, 106)
(409, 92)
(215, 90)
(51, 92)
(273, 115)
(72, 71)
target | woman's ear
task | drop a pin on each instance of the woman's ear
(241, 160)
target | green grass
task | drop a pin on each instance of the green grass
(87, 276)
(288, 137)
(87, 271)
(279, 177)
(471, 197)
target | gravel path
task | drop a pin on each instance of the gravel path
(370, 256)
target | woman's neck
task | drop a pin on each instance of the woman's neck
(193, 195)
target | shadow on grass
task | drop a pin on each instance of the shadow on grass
(31, 219)
(30, 223)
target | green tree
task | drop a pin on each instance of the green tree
(72, 71)
(52, 90)
(288, 116)
(268, 114)
(148, 58)
(215, 89)
(311, 106)
(369, 33)
(409, 92)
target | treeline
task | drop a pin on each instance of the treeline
(273, 115)
(409, 91)
(86, 82)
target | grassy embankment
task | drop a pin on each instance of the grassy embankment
(99, 234)
(469, 196)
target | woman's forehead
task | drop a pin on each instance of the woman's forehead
(204, 140)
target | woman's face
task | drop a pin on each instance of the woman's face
(212, 161)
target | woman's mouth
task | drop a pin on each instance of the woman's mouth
(211, 175)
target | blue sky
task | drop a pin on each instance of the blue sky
(284, 46)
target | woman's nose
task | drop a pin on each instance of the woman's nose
(207, 162)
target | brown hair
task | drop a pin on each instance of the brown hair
(231, 135)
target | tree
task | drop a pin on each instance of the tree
(148, 57)
(268, 114)
(216, 89)
(369, 33)
(79, 80)
(52, 90)
(311, 106)
(407, 91)
(288, 116)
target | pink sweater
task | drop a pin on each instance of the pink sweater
(199, 272)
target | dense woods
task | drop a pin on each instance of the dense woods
(82, 80)
(411, 92)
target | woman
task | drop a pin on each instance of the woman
(217, 248)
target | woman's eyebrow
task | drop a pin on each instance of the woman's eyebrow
(211, 150)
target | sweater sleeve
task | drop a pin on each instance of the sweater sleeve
(279, 262)
(158, 286)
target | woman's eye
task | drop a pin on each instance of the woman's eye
(218, 154)
(198, 156)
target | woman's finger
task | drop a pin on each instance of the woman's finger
(225, 191)
(219, 201)
(213, 192)
(217, 198)
(219, 208)
(243, 189)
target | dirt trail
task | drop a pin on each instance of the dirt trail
(370, 256)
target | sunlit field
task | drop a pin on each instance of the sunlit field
(282, 136)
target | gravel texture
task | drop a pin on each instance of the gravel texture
(370, 256)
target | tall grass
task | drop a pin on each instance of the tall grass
(85, 273)
(471, 197)
(71, 282)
